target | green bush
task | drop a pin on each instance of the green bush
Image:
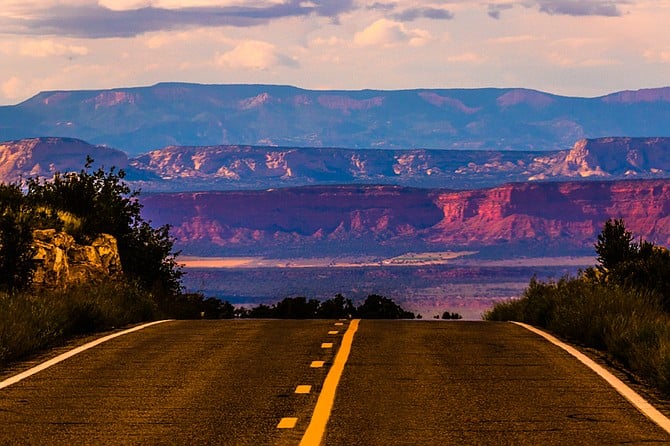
(91, 203)
(620, 306)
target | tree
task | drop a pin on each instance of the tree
(103, 203)
(336, 308)
(101, 200)
(296, 308)
(16, 237)
(623, 262)
(147, 256)
(380, 307)
(614, 246)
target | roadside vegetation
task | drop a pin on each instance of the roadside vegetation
(338, 307)
(86, 204)
(83, 204)
(621, 306)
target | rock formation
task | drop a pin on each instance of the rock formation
(62, 262)
(559, 217)
(231, 167)
(45, 156)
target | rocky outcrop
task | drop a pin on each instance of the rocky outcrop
(612, 158)
(62, 262)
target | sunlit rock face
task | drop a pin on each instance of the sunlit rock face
(61, 261)
(230, 167)
(559, 217)
(42, 157)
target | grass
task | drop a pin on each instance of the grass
(30, 322)
(630, 325)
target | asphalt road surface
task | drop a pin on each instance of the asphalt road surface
(405, 383)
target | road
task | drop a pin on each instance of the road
(404, 383)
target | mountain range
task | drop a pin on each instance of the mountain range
(261, 170)
(176, 169)
(141, 119)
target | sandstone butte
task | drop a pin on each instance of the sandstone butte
(62, 262)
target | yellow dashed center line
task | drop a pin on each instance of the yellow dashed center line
(287, 423)
(339, 324)
(327, 345)
(303, 389)
(317, 364)
(333, 332)
(324, 405)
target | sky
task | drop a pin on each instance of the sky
(568, 47)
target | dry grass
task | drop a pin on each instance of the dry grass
(630, 325)
(33, 321)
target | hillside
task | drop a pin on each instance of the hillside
(145, 118)
(542, 218)
(175, 169)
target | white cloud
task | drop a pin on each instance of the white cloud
(48, 47)
(254, 55)
(386, 32)
(513, 40)
(125, 5)
(330, 41)
(194, 38)
(13, 88)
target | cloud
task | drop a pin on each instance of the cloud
(494, 10)
(514, 40)
(607, 8)
(12, 88)
(254, 55)
(48, 47)
(386, 32)
(412, 14)
(130, 18)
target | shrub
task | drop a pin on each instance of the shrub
(620, 307)
(16, 238)
(88, 203)
(380, 307)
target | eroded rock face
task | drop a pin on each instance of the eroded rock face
(552, 218)
(62, 262)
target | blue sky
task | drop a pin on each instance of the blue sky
(570, 47)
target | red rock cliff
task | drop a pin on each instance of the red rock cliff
(556, 216)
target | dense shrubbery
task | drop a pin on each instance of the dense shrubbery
(621, 306)
(85, 204)
(374, 307)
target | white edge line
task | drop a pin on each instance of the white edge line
(633, 397)
(60, 358)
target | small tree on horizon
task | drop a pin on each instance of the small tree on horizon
(615, 245)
